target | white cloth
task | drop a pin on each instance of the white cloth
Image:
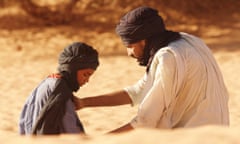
(184, 88)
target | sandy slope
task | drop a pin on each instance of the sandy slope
(29, 55)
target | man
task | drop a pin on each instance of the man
(49, 109)
(183, 85)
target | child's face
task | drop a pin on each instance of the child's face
(83, 76)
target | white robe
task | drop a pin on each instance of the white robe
(184, 88)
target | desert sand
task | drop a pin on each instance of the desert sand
(28, 54)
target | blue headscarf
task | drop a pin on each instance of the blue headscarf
(139, 24)
(75, 57)
(144, 23)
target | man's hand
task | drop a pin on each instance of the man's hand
(124, 128)
(78, 103)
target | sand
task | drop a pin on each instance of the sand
(29, 54)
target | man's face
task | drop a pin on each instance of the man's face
(136, 50)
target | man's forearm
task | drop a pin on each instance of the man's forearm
(124, 128)
(112, 99)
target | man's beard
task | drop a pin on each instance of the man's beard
(143, 61)
(139, 59)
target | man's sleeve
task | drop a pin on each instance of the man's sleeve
(136, 91)
(155, 104)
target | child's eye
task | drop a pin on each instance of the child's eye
(86, 74)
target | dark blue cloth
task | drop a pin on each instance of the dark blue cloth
(60, 116)
(144, 23)
(75, 57)
(138, 24)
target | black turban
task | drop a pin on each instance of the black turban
(144, 23)
(75, 57)
(140, 23)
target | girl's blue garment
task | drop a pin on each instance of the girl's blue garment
(49, 110)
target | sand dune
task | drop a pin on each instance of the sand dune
(29, 55)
